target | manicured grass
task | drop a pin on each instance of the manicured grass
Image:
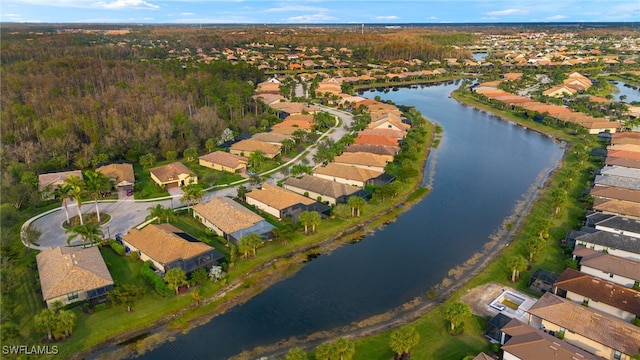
(194, 228)
(209, 177)
(145, 187)
(122, 269)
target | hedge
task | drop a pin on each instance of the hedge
(155, 280)
(119, 249)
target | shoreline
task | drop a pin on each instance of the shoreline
(162, 329)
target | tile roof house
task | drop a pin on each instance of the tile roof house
(230, 219)
(388, 121)
(620, 225)
(246, 147)
(615, 244)
(625, 138)
(621, 271)
(322, 190)
(377, 140)
(345, 174)
(175, 174)
(397, 134)
(619, 161)
(168, 247)
(617, 181)
(388, 152)
(120, 174)
(617, 207)
(598, 294)
(71, 274)
(271, 137)
(611, 192)
(51, 181)
(362, 160)
(585, 328)
(224, 161)
(282, 203)
(527, 343)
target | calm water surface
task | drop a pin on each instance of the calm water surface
(483, 166)
(632, 94)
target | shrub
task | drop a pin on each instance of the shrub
(636, 321)
(135, 256)
(119, 249)
(155, 280)
(99, 307)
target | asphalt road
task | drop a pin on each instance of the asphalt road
(129, 213)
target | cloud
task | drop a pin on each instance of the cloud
(557, 17)
(390, 17)
(507, 12)
(289, 8)
(315, 18)
(187, 14)
(126, 4)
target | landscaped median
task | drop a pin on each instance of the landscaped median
(246, 277)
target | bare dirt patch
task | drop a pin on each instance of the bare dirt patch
(480, 297)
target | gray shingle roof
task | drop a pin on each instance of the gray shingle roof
(621, 223)
(618, 181)
(611, 240)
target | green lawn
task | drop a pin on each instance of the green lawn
(145, 187)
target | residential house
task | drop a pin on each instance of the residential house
(585, 328)
(271, 137)
(615, 244)
(397, 134)
(602, 295)
(271, 86)
(304, 122)
(282, 203)
(524, 342)
(345, 174)
(231, 220)
(246, 147)
(121, 175)
(72, 274)
(617, 181)
(377, 140)
(390, 122)
(620, 225)
(559, 91)
(323, 190)
(362, 160)
(617, 207)
(617, 193)
(168, 247)
(172, 175)
(224, 161)
(47, 183)
(621, 271)
(388, 152)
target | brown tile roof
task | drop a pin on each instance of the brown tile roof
(171, 171)
(67, 269)
(361, 158)
(625, 138)
(397, 134)
(610, 264)
(376, 140)
(347, 172)
(630, 163)
(321, 186)
(224, 158)
(249, 146)
(286, 130)
(54, 178)
(528, 343)
(604, 329)
(374, 149)
(270, 137)
(545, 108)
(161, 243)
(227, 215)
(293, 108)
(624, 147)
(277, 197)
(618, 207)
(300, 124)
(119, 172)
(632, 155)
(600, 290)
(611, 192)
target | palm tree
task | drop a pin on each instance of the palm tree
(45, 321)
(296, 354)
(305, 219)
(64, 193)
(160, 212)
(192, 194)
(403, 339)
(77, 192)
(96, 183)
(256, 158)
(175, 278)
(356, 203)
(65, 321)
(87, 232)
(314, 219)
(456, 313)
(287, 145)
(516, 264)
(250, 242)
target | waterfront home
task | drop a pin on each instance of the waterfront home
(362, 160)
(389, 121)
(622, 138)
(121, 176)
(617, 193)
(615, 244)
(172, 175)
(620, 225)
(168, 247)
(585, 328)
(346, 174)
(388, 152)
(231, 220)
(270, 137)
(246, 147)
(47, 183)
(377, 140)
(617, 207)
(224, 161)
(283, 203)
(523, 342)
(598, 294)
(323, 190)
(72, 274)
(621, 271)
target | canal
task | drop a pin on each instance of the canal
(482, 167)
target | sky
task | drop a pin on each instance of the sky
(317, 11)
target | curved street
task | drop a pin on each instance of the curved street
(128, 213)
